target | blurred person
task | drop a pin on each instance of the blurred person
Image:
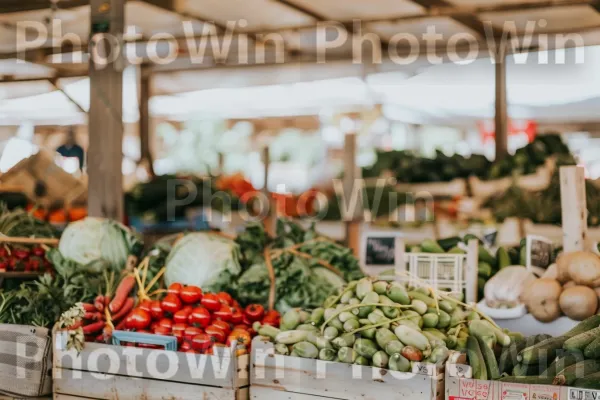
(70, 148)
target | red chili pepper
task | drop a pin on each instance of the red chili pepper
(255, 312)
(191, 294)
(156, 310)
(200, 316)
(127, 307)
(175, 288)
(140, 319)
(224, 313)
(210, 301)
(93, 328)
(171, 303)
(217, 333)
(99, 303)
(122, 293)
(225, 298)
(181, 316)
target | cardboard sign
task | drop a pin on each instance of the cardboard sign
(540, 251)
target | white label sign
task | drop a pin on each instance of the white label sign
(583, 394)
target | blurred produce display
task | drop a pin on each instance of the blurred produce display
(21, 223)
(408, 167)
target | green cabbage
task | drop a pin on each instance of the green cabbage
(94, 239)
(205, 260)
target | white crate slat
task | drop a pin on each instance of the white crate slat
(285, 377)
(117, 372)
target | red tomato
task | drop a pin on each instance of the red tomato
(166, 323)
(187, 308)
(271, 318)
(37, 251)
(224, 326)
(210, 301)
(146, 305)
(140, 319)
(246, 320)
(171, 303)
(255, 312)
(225, 298)
(217, 333)
(21, 254)
(191, 294)
(191, 331)
(241, 337)
(181, 316)
(162, 330)
(3, 251)
(156, 310)
(236, 316)
(192, 351)
(185, 346)
(179, 328)
(202, 342)
(175, 288)
(200, 316)
(224, 313)
(153, 326)
(241, 327)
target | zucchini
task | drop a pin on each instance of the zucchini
(484, 270)
(591, 381)
(456, 250)
(475, 358)
(508, 358)
(584, 326)
(548, 347)
(489, 358)
(527, 370)
(448, 243)
(562, 362)
(485, 256)
(592, 350)
(431, 246)
(571, 373)
(580, 341)
(503, 258)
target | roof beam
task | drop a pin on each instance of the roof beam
(170, 6)
(14, 6)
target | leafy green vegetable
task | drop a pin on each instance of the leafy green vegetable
(20, 223)
(93, 239)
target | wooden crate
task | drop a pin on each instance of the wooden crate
(461, 386)
(279, 377)
(116, 372)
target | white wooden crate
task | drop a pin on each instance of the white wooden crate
(116, 372)
(278, 377)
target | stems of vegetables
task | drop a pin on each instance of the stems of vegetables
(108, 318)
(155, 279)
(472, 308)
(338, 298)
(159, 291)
(338, 312)
(122, 292)
(377, 325)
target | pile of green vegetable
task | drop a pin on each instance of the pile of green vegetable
(542, 207)
(382, 324)
(20, 223)
(307, 267)
(410, 168)
(572, 359)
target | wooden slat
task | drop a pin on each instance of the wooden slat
(574, 209)
(191, 368)
(113, 387)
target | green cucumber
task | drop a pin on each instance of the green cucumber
(489, 359)
(484, 270)
(431, 246)
(571, 373)
(548, 347)
(592, 350)
(475, 358)
(527, 370)
(485, 256)
(456, 250)
(448, 243)
(580, 341)
(591, 381)
(562, 362)
(584, 326)
(503, 258)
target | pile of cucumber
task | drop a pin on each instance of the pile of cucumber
(489, 264)
(572, 359)
(382, 324)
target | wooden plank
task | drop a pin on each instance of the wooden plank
(262, 393)
(222, 371)
(104, 158)
(501, 116)
(471, 270)
(113, 387)
(352, 177)
(574, 209)
(145, 118)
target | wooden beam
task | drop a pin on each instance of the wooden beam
(145, 118)
(170, 6)
(501, 114)
(54, 82)
(105, 155)
(13, 6)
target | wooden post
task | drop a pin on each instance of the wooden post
(352, 176)
(105, 156)
(471, 271)
(221, 163)
(271, 217)
(574, 209)
(501, 103)
(145, 94)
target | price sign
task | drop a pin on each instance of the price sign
(583, 394)
(490, 238)
(540, 251)
(380, 249)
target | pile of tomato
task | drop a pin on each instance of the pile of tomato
(200, 321)
(24, 259)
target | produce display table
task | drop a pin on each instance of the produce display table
(528, 325)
